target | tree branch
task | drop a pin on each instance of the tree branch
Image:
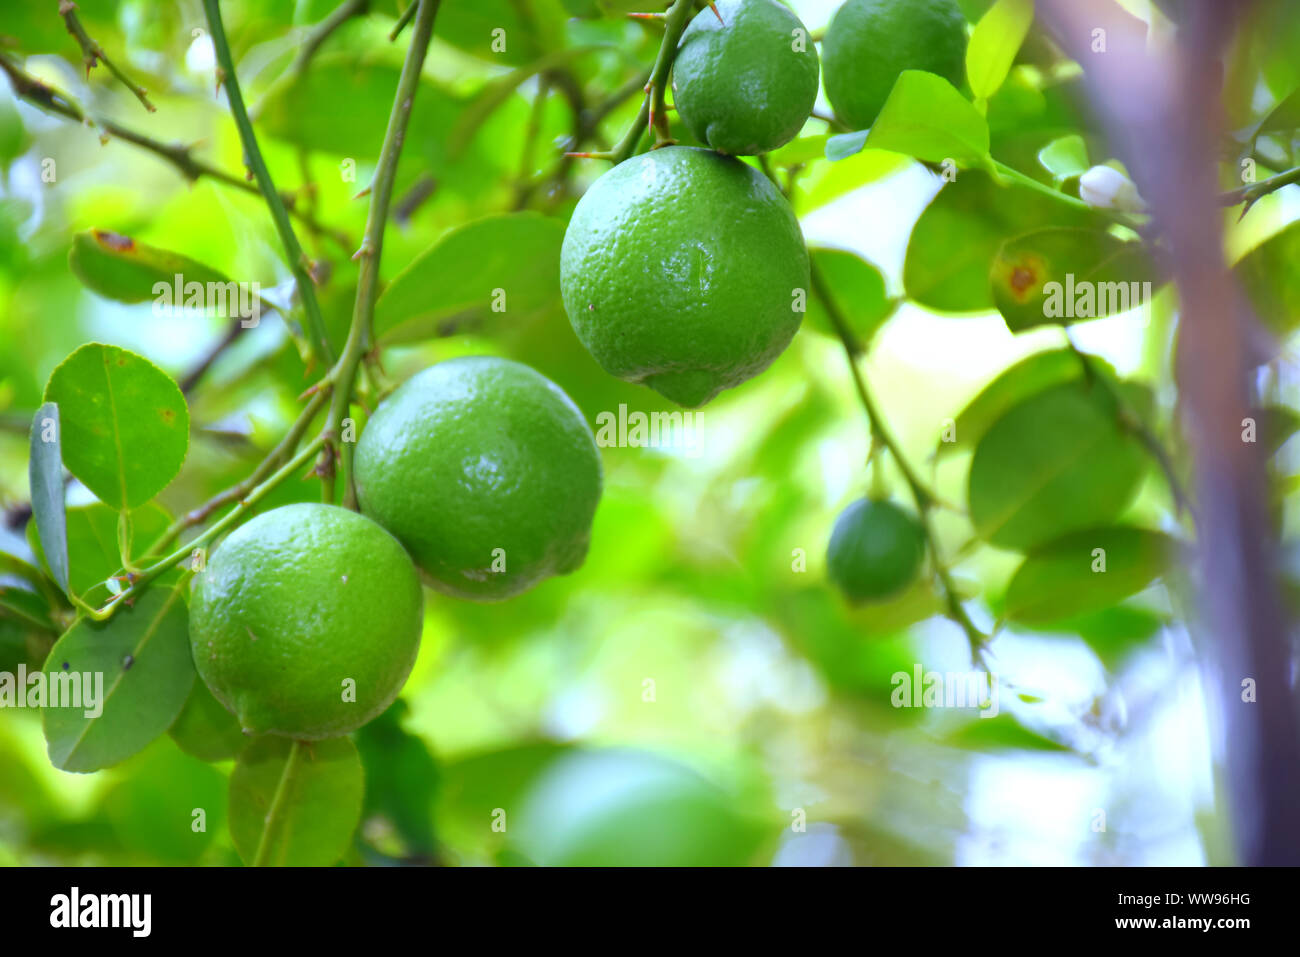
(92, 52)
(299, 265)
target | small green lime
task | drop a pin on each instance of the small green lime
(745, 83)
(486, 471)
(306, 621)
(685, 270)
(875, 550)
(870, 42)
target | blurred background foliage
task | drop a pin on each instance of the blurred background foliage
(694, 690)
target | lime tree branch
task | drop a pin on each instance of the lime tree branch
(881, 436)
(298, 262)
(316, 38)
(275, 458)
(28, 88)
(343, 376)
(1252, 193)
(653, 114)
(234, 516)
(92, 53)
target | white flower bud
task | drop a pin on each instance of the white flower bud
(1107, 188)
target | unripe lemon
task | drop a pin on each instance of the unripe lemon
(486, 471)
(685, 270)
(306, 621)
(875, 550)
(745, 83)
(870, 42)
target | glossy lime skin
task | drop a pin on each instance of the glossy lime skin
(480, 461)
(875, 550)
(869, 42)
(682, 269)
(295, 603)
(745, 84)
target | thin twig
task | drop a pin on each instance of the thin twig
(1252, 193)
(880, 435)
(92, 53)
(403, 20)
(343, 376)
(28, 88)
(299, 265)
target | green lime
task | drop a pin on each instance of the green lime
(685, 270)
(306, 621)
(486, 471)
(745, 83)
(870, 42)
(875, 550)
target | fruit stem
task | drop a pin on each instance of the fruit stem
(344, 374)
(229, 519)
(880, 435)
(320, 346)
(272, 819)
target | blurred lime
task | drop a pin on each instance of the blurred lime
(631, 809)
(869, 42)
(875, 550)
(486, 471)
(745, 83)
(306, 621)
(685, 270)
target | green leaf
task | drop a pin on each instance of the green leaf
(1013, 385)
(205, 729)
(92, 542)
(843, 145)
(26, 605)
(925, 117)
(126, 427)
(1002, 732)
(498, 31)
(1270, 274)
(1055, 463)
(1086, 572)
(295, 804)
(1275, 424)
(142, 657)
(402, 780)
(511, 261)
(856, 286)
(152, 809)
(994, 43)
(956, 239)
(1058, 276)
(1065, 157)
(119, 268)
(45, 475)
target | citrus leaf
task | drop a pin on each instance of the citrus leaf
(142, 656)
(1086, 572)
(956, 239)
(924, 117)
(125, 423)
(25, 605)
(1030, 375)
(511, 261)
(1055, 463)
(1059, 276)
(152, 809)
(1270, 274)
(205, 729)
(119, 268)
(858, 289)
(1002, 732)
(994, 43)
(1065, 157)
(297, 803)
(45, 474)
(92, 541)
(402, 779)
